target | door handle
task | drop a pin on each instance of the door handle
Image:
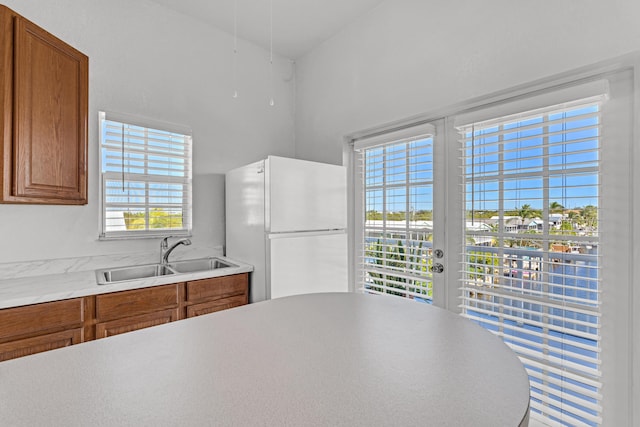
(437, 268)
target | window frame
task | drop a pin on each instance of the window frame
(187, 204)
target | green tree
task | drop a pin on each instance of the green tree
(158, 218)
(395, 216)
(424, 215)
(373, 215)
(482, 265)
(525, 212)
(555, 207)
(590, 215)
(134, 220)
(566, 226)
(410, 259)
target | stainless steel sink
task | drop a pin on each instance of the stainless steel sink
(134, 272)
(201, 264)
(119, 274)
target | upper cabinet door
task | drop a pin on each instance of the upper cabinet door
(48, 154)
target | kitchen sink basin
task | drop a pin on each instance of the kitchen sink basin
(201, 264)
(133, 272)
(121, 274)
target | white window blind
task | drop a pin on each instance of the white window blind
(397, 179)
(531, 264)
(146, 180)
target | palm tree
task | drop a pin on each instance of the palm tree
(590, 215)
(525, 212)
(555, 207)
(574, 218)
(494, 229)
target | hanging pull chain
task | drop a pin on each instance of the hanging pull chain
(122, 158)
(235, 48)
(271, 101)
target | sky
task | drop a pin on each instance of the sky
(534, 160)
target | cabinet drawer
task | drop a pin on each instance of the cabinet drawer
(217, 305)
(140, 301)
(34, 319)
(217, 287)
(129, 324)
(27, 346)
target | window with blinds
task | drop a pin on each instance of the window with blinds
(396, 248)
(530, 267)
(146, 180)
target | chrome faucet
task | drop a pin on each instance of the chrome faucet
(165, 250)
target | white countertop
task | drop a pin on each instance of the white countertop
(52, 287)
(338, 359)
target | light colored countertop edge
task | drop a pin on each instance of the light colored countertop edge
(54, 287)
(280, 362)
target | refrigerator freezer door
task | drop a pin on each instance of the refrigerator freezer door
(305, 195)
(307, 263)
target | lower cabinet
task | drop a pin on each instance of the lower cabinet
(35, 328)
(128, 324)
(217, 305)
(218, 293)
(40, 327)
(128, 311)
(40, 343)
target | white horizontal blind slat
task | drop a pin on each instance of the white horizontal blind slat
(146, 180)
(549, 412)
(114, 154)
(151, 174)
(530, 269)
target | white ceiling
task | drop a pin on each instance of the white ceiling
(298, 25)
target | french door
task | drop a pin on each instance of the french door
(515, 214)
(400, 247)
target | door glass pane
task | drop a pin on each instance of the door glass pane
(398, 223)
(531, 260)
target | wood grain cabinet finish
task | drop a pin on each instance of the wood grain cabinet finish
(218, 293)
(128, 311)
(34, 328)
(38, 344)
(129, 324)
(216, 305)
(40, 327)
(44, 120)
(217, 287)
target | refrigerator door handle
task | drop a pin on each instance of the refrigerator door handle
(287, 235)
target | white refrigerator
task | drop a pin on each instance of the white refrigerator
(288, 218)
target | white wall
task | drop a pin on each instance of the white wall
(408, 57)
(412, 57)
(149, 61)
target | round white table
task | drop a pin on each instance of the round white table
(310, 360)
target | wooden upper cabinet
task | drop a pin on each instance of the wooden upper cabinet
(44, 123)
